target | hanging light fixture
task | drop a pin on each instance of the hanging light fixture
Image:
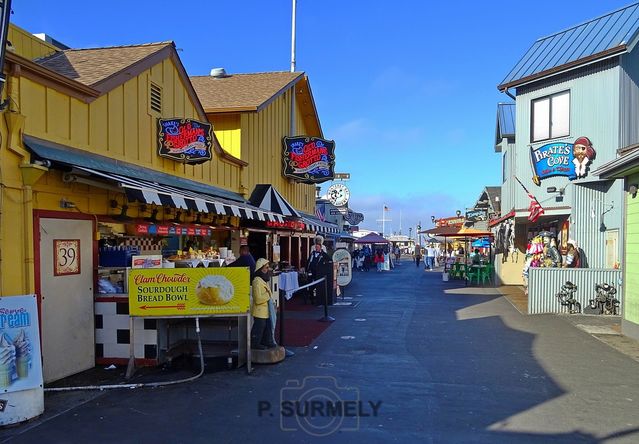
(153, 218)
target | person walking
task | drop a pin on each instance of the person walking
(418, 255)
(430, 258)
(379, 260)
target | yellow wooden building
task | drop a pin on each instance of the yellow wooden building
(80, 131)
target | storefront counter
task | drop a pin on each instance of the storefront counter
(545, 283)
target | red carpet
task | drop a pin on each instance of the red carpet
(296, 303)
(300, 332)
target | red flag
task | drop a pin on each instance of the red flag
(535, 210)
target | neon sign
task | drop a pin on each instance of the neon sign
(184, 140)
(308, 159)
(288, 224)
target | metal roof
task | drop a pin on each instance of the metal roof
(622, 166)
(601, 37)
(505, 120)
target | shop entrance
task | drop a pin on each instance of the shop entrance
(257, 244)
(295, 252)
(66, 292)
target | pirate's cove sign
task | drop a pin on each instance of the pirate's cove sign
(184, 140)
(562, 159)
(308, 159)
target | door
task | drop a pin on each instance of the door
(66, 287)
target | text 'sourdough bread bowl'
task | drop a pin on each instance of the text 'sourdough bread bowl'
(214, 290)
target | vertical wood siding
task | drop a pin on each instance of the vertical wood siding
(120, 123)
(27, 45)
(261, 142)
(631, 260)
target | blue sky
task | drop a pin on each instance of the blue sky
(407, 89)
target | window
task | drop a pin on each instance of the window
(156, 98)
(550, 117)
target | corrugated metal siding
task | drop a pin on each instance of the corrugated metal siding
(594, 112)
(629, 99)
(587, 39)
(545, 283)
(510, 185)
(595, 198)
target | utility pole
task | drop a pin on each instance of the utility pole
(292, 122)
(293, 37)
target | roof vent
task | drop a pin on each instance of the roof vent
(218, 73)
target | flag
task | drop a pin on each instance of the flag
(535, 209)
(319, 212)
(386, 208)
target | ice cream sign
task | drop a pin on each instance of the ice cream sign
(184, 140)
(308, 159)
(562, 159)
(20, 361)
(185, 292)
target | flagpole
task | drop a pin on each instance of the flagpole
(526, 190)
(383, 220)
(532, 216)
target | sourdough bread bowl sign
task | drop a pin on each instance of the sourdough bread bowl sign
(189, 291)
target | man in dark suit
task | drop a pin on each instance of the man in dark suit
(318, 266)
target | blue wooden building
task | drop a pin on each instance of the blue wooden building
(576, 96)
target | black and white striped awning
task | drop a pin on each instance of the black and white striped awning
(154, 193)
(266, 197)
(314, 224)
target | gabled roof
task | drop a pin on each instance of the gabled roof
(253, 92)
(103, 69)
(242, 92)
(489, 198)
(93, 65)
(611, 34)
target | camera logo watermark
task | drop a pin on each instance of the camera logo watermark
(319, 407)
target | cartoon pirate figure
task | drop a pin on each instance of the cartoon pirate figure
(583, 153)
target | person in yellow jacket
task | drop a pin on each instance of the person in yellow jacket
(261, 332)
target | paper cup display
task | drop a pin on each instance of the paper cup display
(7, 361)
(23, 365)
(214, 290)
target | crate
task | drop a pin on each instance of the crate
(117, 256)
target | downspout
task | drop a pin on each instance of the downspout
(4, 24)
(505, 91)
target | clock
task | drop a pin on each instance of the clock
(338, 194)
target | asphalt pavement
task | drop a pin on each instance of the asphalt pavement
(414, 359)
